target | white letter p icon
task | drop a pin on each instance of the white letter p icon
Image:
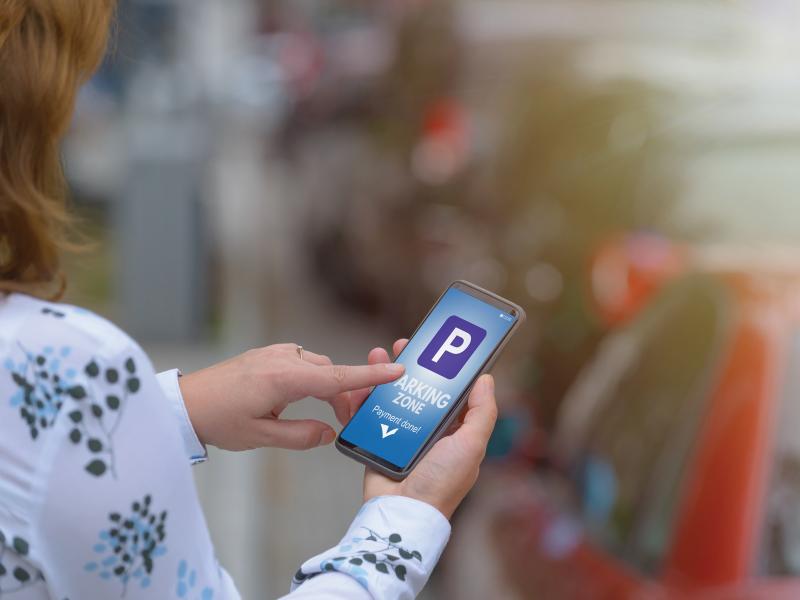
(457, 334)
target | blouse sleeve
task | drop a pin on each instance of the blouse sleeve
(193, 448)
(389, 551)
(110, 509)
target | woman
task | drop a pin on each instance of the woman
(96, 494)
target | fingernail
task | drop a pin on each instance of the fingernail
(327, 437)
(395, 368)
(488, 381)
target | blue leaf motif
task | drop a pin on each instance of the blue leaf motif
(127, 559)
(109, 561)
(187, 581)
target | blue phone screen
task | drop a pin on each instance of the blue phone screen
(441, 360)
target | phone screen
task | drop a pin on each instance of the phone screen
(442, 359)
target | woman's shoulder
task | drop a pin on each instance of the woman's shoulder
(25, 317)
(55, 359)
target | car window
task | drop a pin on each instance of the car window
(780, 548)
(629, 454)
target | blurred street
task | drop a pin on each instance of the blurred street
(318, 171)
(269, 510)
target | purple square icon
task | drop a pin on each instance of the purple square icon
(451, 347)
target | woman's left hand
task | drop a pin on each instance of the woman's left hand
(236, 404)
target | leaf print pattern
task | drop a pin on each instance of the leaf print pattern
(130, 545)
(187, 582)
(53, 312)
(45, 385)
(15, 572)
(75, 390)
(387, 558)
(95, 416)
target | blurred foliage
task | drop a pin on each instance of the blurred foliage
(573, 162)
(579, 162)
(89, 272)
(425, 67)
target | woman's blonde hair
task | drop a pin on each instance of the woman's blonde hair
(48, 48)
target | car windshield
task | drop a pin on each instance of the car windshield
(629, 428)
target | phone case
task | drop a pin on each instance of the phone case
(458, 406)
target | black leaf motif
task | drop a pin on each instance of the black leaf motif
(112, 375)
(129, 547)
(384, 559)
(78, 392)
(96, 467)
(133, 385)
(20, 546)
(92, 369)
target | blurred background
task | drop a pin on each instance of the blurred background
(317, 171)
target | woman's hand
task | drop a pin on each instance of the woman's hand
(446, 473)
(236, 404)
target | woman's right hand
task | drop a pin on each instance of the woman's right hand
(449, 470)
(237, 404)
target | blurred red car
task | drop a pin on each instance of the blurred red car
(675, 466)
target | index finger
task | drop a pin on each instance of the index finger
(326, 381)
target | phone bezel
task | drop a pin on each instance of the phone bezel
(395, 471)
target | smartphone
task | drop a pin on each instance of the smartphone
(458, 340)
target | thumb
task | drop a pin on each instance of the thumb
(481, 412)
(300, 434)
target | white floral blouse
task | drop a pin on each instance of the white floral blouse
(96, 492)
